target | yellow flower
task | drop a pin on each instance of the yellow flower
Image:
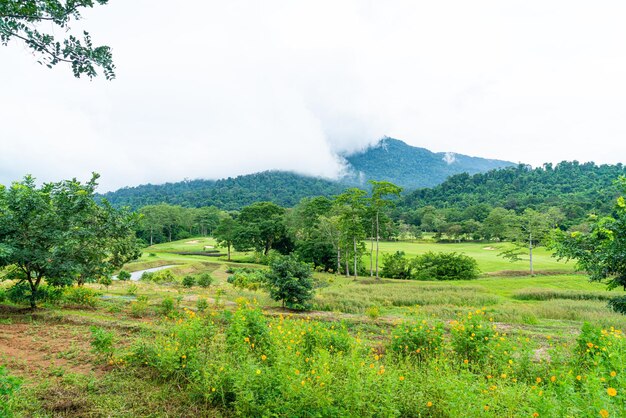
(429, 404)
(263, 357)
(611, 391)
(613, 374)
(258, 371)
(535, 414)
(553, 379)
(578, 377)
(604, 413)
(401, 378)
(538, 380)
(590, 345)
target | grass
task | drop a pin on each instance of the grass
(554, 304)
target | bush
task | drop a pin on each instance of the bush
(167, 306)
(202, 305)
(445, 266)
(123, 275)
(618, 304)
(102, 342)
(373, 312)
(105, 281)
(472, 336)
(189, 281)
(20, 294)
(205, 280)
(161, 276)
(81, 296)
(132, 289)
(290, 281)
(397, 266)
(247, 278)
(420, 340)
(139, 308)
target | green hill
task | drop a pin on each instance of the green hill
(412, 167)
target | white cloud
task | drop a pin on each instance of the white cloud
(213, 89)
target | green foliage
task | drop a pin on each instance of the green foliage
(282, 188)
(8, 386)
(161, 276)
(202, 304)
(59, 234)
(600, 252)
(445, 266)
(417, 339)
(139, 307)
(290, 281)
(132, 289)
(245, 278)
(168, 306)
(473, 337)
(205, 280)
(80, 296)
(373, 312)
(618, 304)
(19, 20)
(21, 294)
(261, 226)
(397, 266)
(102, 342)
(123, 275)
(248, 331)
(105, 281)
(189, 281)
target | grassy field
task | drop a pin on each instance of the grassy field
(261, 364)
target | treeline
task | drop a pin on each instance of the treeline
(462, 202)
(282, 188)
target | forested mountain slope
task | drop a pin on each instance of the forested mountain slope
(576, 188)
(412, 167)
(283, 188)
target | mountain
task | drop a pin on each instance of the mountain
(391, 160)
(575, 188)
(281, 187)
(412, 167)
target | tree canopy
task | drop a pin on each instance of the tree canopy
(24, 20)
(58, 233)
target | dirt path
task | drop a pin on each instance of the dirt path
(46, 349)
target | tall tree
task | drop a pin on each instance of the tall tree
(26, 20)
(226, 232)
(59, 234)
(260, 226)
(350, 206)
(382, 194)
(600, 252)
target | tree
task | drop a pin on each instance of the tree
(22, 20)
(382, 191)
(226, 233)
(528, 231)
(600, 252)
(58, 233)
(260, 226)
(350, 205)
(290, 281)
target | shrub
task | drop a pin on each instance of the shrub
(420, 340)
(20, 293)
(472, 336)
(105, 281)
(248, 330)
(132, 289)
(202, 305)
(139, 308)
(3, 294)
(397, 266)
(373, 312)
(445, 266)
(205, 280)
(167, 306)
(81, 296)
(161, 276)
(618, 304)
(189, 281)
(123, 275)
(102, 342)
(247, 279)
(290, 281)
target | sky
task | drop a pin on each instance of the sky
(214, 89)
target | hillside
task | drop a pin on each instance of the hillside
(283, 188)
(412, 167)
(576, 188)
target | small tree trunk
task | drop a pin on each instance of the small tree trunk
(338, 260)
(530, 253)
(151, 227)
(377, 247)
(372, 252)
(229, 251)
(347, 265)
(355, 256)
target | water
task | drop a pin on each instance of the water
(136, 275)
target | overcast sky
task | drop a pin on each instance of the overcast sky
(209, 89)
